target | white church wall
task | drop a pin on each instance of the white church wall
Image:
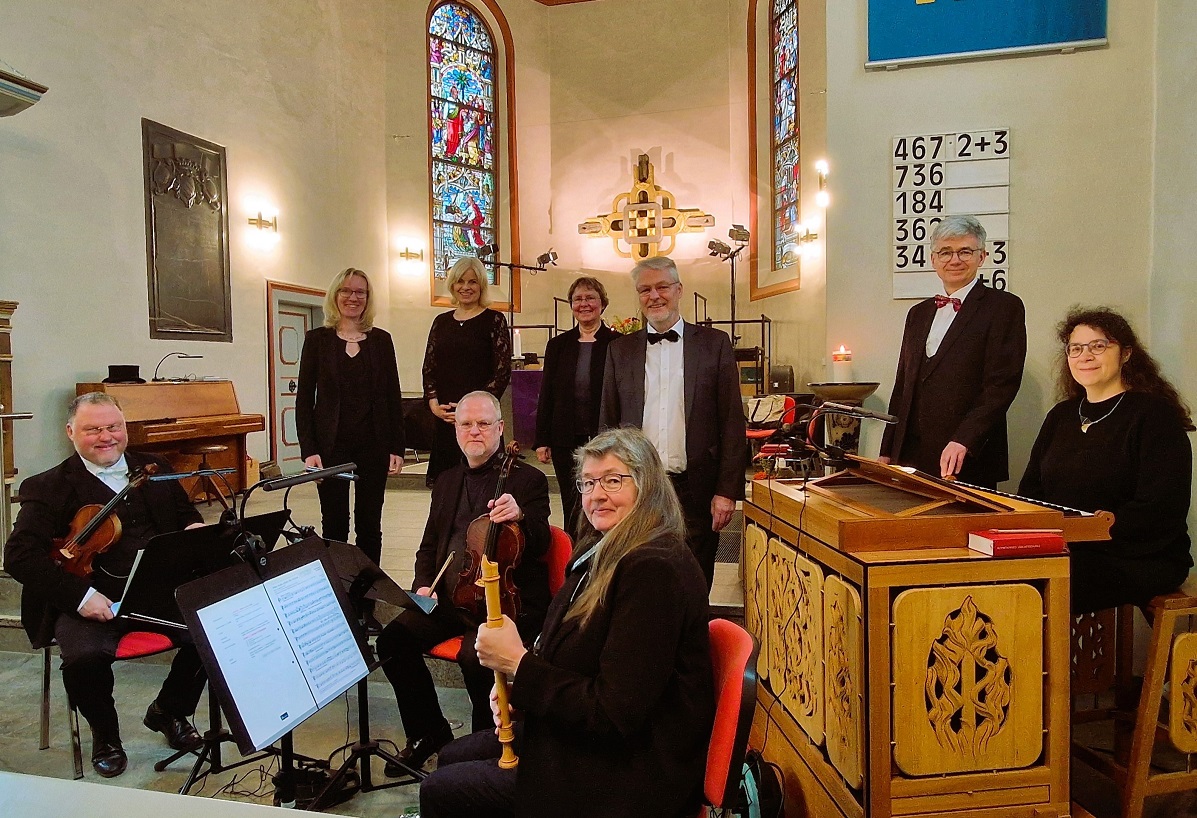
(1081, 187)
(295, 93)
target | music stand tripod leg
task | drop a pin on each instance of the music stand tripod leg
(365, 749)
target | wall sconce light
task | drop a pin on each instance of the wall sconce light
(822, 198)
(262, 223)
(411, 255)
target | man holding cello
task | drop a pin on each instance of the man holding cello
(519, 508)
(77, 611)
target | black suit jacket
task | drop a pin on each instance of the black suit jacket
(618, 713)
(318, 401)
(715, 443)
(964, 392)
(530, 488)
(555, 410)
(48, 503)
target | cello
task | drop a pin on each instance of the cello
(94, 529)
(501, 543)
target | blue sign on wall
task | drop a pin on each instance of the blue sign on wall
(939, 29)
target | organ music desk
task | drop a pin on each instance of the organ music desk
(166, 416)
(901, 673)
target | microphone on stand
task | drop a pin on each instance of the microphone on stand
(857, 412)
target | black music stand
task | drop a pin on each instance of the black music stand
(362, 579)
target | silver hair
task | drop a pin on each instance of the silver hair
(91, 399)
(659, 263)
(954, 227)
(481, 394)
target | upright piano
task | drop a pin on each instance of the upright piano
(901, 673)
(167, 417)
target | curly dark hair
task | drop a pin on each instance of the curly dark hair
(1140, 373)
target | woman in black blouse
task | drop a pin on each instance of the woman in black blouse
(1118, 442)
(567, 414)
(469, 348)
(348, 409)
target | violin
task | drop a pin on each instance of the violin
(502, 543)
(94, 529)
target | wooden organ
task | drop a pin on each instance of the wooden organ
(166, 417)
(903, 674)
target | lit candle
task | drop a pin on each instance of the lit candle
(517, 347)
(841, 365)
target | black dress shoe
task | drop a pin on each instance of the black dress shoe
(180, 735)
(417, 753)
(108, 757)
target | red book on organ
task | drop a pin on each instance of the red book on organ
(1017, 542)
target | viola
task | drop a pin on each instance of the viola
(501, 543)
(95, 528)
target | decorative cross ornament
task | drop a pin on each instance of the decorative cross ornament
(646, 219)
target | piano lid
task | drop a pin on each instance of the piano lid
(166, 400)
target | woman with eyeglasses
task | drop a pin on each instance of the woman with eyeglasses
(1118, 442)
(469, 349)
(567, 414)
(616, 699)
(348, 409)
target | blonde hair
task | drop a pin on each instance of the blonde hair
(460, 268)
(332, 315)
(655, 515)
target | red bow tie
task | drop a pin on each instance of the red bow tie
(943, 301)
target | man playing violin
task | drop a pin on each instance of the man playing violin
(460, 496)
(77, 612)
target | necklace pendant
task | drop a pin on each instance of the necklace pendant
(1085, 424)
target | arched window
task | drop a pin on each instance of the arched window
(463, 111)
(783, 27)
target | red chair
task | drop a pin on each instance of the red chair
(788, 413)
(133, 645)
(733, 661)
(556, 558)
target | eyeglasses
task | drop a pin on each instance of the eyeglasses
(361, 295)
(656, 288)
(1096, 347)
(480, 425)
(96, 431)
(586, 299)
(611, 483)
(965, 254)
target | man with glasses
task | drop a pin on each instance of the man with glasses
(78, 612)
(959, 368)
(459, 496)
(678, 382)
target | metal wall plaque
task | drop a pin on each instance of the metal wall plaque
(187, 235)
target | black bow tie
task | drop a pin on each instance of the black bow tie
(658, 337)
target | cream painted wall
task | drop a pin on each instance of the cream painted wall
(1081, 186)
(292, 88)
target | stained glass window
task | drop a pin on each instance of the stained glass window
(461, 56)
(783, 25)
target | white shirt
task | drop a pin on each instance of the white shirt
(665, 399)
(115, 477)
(944, 316)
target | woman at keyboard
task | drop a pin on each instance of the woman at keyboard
(1117, 442)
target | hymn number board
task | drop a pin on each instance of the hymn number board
(949, 174)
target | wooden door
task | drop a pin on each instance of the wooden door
(293, 311)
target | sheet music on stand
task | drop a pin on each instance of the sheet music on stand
(278, 639)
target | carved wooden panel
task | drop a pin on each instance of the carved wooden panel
(755, 569)
(1182, 697)
(187, 235)
(968, 678)
(1093, 643)
(844, 647)
(796, 635)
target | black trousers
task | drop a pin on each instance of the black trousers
(369, 493)
(88, 649)
(401, 647)
(702, 540)
(445, 452)
(571, 500)
(467, 783)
